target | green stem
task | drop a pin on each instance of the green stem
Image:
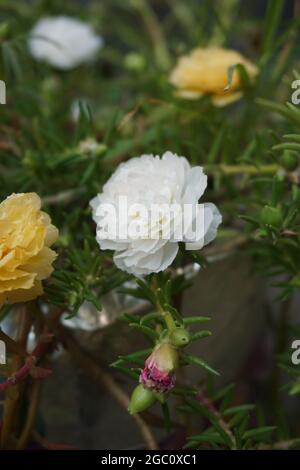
(155, 32)
(242, 169)
(281, 343)
(167, 316)
(272, 21)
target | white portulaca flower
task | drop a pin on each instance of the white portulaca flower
(149, 205)
(63, 42)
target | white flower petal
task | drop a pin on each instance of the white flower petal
(212, 220)
(211, 232)
(148, 244)
(197, 180)
(63, 42)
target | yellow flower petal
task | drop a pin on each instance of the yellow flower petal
(24, 295)
(189, 95)
(51, 230)
(26, 233)
(23, 282)
(41, 264)
(205, 72)
(223, 100)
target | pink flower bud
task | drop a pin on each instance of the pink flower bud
(158, 373)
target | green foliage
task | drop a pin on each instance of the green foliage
(164, 321)
(127, 107)
(227, 426)
(82, 277)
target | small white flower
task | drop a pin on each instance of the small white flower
(63, 42)
(150, 181)
(80, 106)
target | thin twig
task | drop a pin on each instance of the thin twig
(104, 379)
(155, 32)
(211, 407)
(25, 370)
(31, 415)
(46, 337)
(50, 445)
(12, 403)
(21, 372)
(225, 169)
(281, 338)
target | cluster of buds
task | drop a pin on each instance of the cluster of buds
(158, 376)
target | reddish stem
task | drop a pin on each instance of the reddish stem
(29, 366)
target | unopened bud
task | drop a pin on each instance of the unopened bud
(141, 399)
(180, 337)
(158, 374)
(271, 216)
(134, 62)
(289, 160)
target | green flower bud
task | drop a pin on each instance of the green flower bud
(271, 216)
(4, 30)
(289, 160)
(134, 62)
(180, 337)
(140, 400)
(164, 357)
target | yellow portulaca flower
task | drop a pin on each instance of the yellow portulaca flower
(205, 72)
(26, 233)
